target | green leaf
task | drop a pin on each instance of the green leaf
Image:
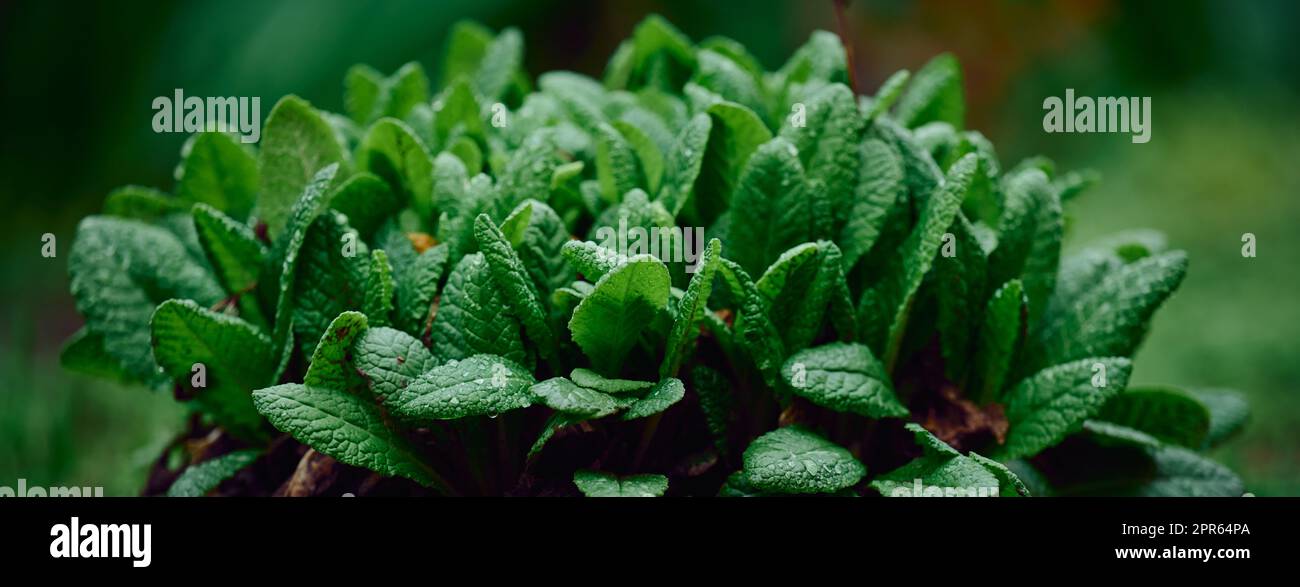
(563, 395)
(220, 172)
(502, 59)
(142, 203)
(199, 480)
(797, 290)
(735, 134)
(880, 185)
(660, 397)
(469, 320)
(392, 151)
(649, 155)
(416, 285)
(367, 201)
(236, 359)
(328, 280)
(719, 74)
(617, 167)
(935, 94)
(541, 247)
(364, 93)
(943, 471)
(593, 380)
(1112, 317)
(1182, 473)
(597, 484)
(893, 296)
(1228, 413)
(296, 144)
(845, 378)
(771, 209)
(795, 459)
(467, 42)
(827, 143)
(481, 385)
(120, 270)
(960, 281)
(458, 114)
(408, 88)
(343, 426)
(693, 305)
(683, 163)
(1029, 239)
(514, 285)
(330, 366)
(236, 255)
(820, 59)
(378, 304)
(556, 422)
(390, 360)
(590, 259)
(1053, 403)
(888, 93)
(84, 353)
(716, 401)
(1167, 413)
(607, 323)
(758, 335)
(1000, 338)
(285, 257)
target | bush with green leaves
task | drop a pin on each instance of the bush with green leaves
(411, 298)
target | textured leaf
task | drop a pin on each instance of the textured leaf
(235, 255)
(798, 289)
(617, 168)
(389, 360)
(660, 397)
(328, 281)
(960, 280)
(820, 59)
(296, 144)
(392, 151)
(758, 335)
(593, 380)
(481, 385)
(1053, 403)
(945, 472)
(330, 367)
(512, 281)
(416, 285)
(343, 426)
(367, 201)
(693, 305)
(999, 342)
(285, 257)
(880, 185)
(198, 480)
(563, 395)
(683, 162)
(735, 134)
(1167, 413)
(826, 144)
(378, 305)
(502, 59)
(1112, 317)
(597, 484)
(120, 271)
(84, 353)
(1029, 239)
(893, 296)
(220, 172)
(845, 378)
(935, 94)
(540, 250)
(469, 320)
(458, 114)
(236, 357)
(142, 203)
(716, 401)
(649, 155)
(794, 459)
(1228, 413)
(467, 42)
(771, 209)
(888, 94)
(719, 74)
(606, 323)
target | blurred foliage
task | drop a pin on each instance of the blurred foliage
(1224, 77)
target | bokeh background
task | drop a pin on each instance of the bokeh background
(76, 82)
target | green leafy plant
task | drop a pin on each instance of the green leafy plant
(415, 298)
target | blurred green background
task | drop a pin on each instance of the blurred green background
(1224, 77)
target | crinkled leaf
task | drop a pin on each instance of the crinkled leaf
(935, 94)
(1169, 414)
(469, 320)
(563, 395)
(795, 459)
(481, 385)
(516, 288)
(693, 305)
(598, 484)
(843, 377)
(607, 323)
(378, 305)
(1053, 403)
(198, 480)
(220, 172)
(660, 397)
(236, 255)
(1000, 337)
(296, 144)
